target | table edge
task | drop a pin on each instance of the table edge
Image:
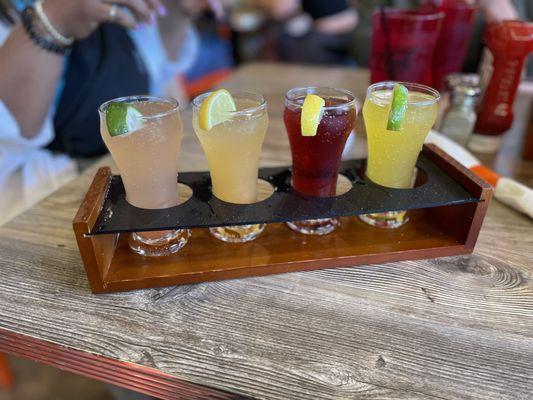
(125, 374)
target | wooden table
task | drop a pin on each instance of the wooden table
(459, 327)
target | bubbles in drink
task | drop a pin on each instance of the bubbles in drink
(148, 156)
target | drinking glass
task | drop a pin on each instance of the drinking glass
(316, 159)
(451, 47)
(147, 158)
(403, 44)
(233, 150)
(392, 155)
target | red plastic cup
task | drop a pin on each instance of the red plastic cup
(454, 36)
(403, 45)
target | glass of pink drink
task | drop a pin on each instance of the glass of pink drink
(146, 153)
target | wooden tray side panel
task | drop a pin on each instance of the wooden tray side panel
(96, 252)
(265, 270)
(94, 198)
(457, 220)
(478, 217)
(464, 221)
(470, 181)
(280, 250)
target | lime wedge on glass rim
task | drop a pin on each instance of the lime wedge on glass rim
(122, 118)
(400, 96)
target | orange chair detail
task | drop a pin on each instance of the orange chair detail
(6, 377)
(207, 82)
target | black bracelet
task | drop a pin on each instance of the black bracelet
(28, 23)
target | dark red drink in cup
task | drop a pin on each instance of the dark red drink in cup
(403, 45)
(316, 159)
(454, 36)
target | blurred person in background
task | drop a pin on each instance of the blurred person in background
(492, 11)
(215, 60)
(59, 60)
(313, 31)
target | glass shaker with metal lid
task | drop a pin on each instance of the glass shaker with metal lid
(460, 118)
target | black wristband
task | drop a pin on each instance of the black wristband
(28, 23)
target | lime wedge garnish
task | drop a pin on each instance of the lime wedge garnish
(398, 107)
(122, 118)
(215, 109)
(312, 111)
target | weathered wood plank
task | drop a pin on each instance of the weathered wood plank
(453, 328)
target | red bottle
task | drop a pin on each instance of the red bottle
(316, 159)
(508, 44)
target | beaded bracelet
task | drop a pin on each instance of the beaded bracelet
(28, 23)
(58, 37)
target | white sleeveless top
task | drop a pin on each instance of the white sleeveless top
(29, 172)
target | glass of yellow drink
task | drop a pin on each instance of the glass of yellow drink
(392, 154)
(233, 149)
(143, 135)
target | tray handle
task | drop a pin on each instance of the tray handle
(96, 251)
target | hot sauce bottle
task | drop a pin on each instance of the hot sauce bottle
(508, 44)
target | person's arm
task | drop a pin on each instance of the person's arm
(497, 10)
(28, 80)
(175, 25)
(280, 10)
(173, 28)
(30, 74)
(342, 22)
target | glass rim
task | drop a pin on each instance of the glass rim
(198, 100)
(148, 98)
(353, 100)
(417, 87)
(412, 14)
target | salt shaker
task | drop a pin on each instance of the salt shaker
(460, 118)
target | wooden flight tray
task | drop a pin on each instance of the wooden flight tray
(447, 206)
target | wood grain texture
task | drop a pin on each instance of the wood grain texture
(452, 328)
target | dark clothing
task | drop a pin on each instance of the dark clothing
(104, 66)
(321, 8)
(316, 48)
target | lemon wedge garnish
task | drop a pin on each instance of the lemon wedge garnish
(215, 109)
(312, 111)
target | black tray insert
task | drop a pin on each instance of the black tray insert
(204, 210)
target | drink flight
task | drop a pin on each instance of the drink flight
(143, 135)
